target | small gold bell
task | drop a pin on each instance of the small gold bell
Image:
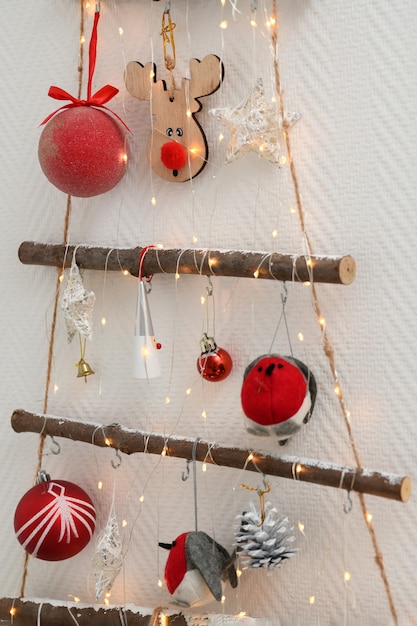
(83, 369)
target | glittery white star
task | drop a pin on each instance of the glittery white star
(254, 126)
(77, 304)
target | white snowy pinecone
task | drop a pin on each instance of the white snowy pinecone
(264, 545)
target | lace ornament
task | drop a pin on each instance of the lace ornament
(77, 304)
(254, 126)
(108, 556)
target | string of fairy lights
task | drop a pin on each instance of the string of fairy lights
(269, 23)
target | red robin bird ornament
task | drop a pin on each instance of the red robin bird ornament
(196, 568)
(278, 395)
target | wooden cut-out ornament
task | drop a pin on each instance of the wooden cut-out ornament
(177, 146)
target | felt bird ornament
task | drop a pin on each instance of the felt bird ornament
(278, 395)
(196, 568)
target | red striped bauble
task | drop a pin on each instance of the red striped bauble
(54, 520)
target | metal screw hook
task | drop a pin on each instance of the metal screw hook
(119, 459)
(186, 473)
(56, 447)
(347, 507)
(284, 294)
(209, 289)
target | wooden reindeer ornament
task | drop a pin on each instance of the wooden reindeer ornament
(177, 146)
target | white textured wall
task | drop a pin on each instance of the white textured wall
(350, 69)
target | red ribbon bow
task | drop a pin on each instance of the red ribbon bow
(98, 99)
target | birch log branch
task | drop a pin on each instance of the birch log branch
(131, 441)
(240, 263)
(23, 612)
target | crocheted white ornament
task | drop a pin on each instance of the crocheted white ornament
(77, 304)
(108, 556)
(254, 126)
(264, 544)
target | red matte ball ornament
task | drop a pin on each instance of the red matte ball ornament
(54, 520)
(214, 364)
(83, 151)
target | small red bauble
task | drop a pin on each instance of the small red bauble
(83, 151)
(214, 364)
(54, 520)
(173, 155)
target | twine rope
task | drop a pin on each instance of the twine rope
(66, 225)
(327, 345)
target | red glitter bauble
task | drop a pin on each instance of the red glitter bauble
(54, 520)
(83, 151)
(215, 366)
(173, 155)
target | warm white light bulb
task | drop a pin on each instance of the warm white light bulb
(223, 24)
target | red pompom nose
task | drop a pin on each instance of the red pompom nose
(173, 156)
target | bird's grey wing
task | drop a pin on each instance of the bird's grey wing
(203, 555)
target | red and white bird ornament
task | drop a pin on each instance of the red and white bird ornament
(196, 569)
(54, 520)
(277, 395)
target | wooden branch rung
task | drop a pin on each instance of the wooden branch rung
(239, 263)
(25, 612)
(130, 441)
